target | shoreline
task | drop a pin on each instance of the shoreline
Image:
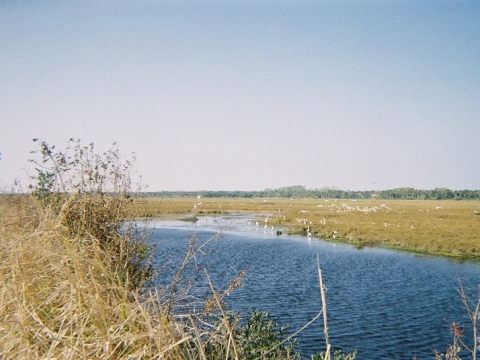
(189, 217)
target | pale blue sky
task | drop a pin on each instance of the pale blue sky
(244, 95)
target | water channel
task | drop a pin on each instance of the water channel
(385, 304)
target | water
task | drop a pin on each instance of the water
(385, 304)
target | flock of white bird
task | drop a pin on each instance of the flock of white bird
(338, 208)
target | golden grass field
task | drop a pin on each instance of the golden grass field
(440, 227)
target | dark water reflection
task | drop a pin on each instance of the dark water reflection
(385, 304)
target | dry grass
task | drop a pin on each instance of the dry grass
(61, 300)
(443, 227)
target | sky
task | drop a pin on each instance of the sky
(248, 95)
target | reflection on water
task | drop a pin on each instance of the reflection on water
(385, 304)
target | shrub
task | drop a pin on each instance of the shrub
(90, 193)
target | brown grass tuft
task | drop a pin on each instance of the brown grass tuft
(61, 300)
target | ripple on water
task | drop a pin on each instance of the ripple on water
(388, 305)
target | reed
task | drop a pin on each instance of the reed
(61, 299)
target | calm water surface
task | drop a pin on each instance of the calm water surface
(385, 304)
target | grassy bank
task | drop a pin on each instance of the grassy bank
(68, 297)
(440, 227)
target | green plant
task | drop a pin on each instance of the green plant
(45, 183)
(259, 338)
(337, 355)
(262, 338)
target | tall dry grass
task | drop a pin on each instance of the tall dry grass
(62, 299)
(73, 265)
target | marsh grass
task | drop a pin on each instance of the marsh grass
(73, 265)
(60, 299)
(440, 227)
